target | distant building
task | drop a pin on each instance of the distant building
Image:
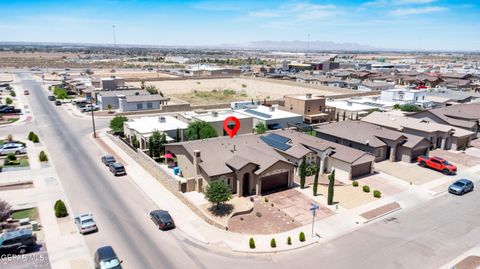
(407, 96)
(313, 108)
(130, 100)
(112, 83)
(216, 119)
(272, 117)
(208, 71)
(375, 86)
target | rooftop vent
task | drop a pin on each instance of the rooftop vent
(272, 108)
(161, 119)
(308, 96)
(349, 103)
(137, 93)
(215, 113)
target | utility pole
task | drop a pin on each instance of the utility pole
(93, 118)
(114, 46)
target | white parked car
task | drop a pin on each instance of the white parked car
(89, 108)
(85, 223)
(14, 148)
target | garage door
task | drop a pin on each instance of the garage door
(274, 182)
(361, 169)
(418, 152)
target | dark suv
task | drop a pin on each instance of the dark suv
(17, 242)
(108, 160)
(105, 257)
(117, 169)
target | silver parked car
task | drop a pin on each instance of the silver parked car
(15, 148)
(461, 186)
(85, 223)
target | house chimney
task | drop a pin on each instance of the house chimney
(308, 96)
(196, 161)
(161, 119)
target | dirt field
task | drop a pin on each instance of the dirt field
(125, 74)
(245, 89)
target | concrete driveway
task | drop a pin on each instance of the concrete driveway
(409, 172)
(381, 183)
(459, 158)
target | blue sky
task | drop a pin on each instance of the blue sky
(400, 24)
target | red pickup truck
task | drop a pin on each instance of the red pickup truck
(437, 163)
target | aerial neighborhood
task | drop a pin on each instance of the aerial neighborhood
(271, 154)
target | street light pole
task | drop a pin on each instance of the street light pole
(313, 209)
(93, 119)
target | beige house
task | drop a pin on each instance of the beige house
(313, 108)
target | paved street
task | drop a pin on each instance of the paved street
(427, 236)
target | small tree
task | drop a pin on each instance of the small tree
(60, 209)
(116, 124)
(35, 138)
(8, 101)
(5, 210)
(396, 106)
(289, 240)
(42, 156)
(315, 182)
(199, 130)
(260, 128)
(331, 182)
(30, 136)
(151, 89)
(303, 172)
(218, 192)
(251, 242)
(273, 243)
(409, 108)
(156, 142)
(12, 93)
(109, 107)
(301, 237)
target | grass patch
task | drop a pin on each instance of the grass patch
(31, 213)
(8, 121)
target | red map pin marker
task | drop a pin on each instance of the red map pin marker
(231, 132)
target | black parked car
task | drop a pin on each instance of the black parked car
(117, 169)
(108, 160)
(162, 219)
(17, 242)
(51, 98)
(58, 103)
(9, 109)
(105, 257)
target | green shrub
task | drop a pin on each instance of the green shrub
(301, 237)
(30, 136)
(355, 183)
(377, 194)
(251, 243)
(289, 240)
(35, 138)
(43, 156)
(60, 209)
(311, 170)
(273, 243)
(11, 157)
(8, 101)
(366, 188)
(12, 93)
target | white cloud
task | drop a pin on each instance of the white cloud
(299, 11)
(384, 3)
(416, 11)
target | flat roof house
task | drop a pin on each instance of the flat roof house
(216, 119)
(105, 98)
(441, 135)
(272, 117)
(382, 142)
(142, 128)
(141, 102)
(313, 108)
(259, 164)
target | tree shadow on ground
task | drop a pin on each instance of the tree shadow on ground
(221, 211)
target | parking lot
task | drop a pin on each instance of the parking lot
(411, 173)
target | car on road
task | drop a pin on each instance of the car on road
(106, 258)
(89, 108)
(108, 159)
(58, 103)
(85, 223)
(438, 164)
(162, 219)
(51, 98)
(117, 169)
(17, 242)
(15, 148)
(461, 186)
(26, 92)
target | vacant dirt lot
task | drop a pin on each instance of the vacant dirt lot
(244, 88)
(127, 74)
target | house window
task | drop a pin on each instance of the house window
(308, 110)
(140, 106)
(149, 105)
(320, 108)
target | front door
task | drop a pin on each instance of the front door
(246, 187)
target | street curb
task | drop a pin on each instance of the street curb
(383, 215)
(273, 251)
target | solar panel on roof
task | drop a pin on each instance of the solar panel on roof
(279, 138)
(275, 144)
(258, 113)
